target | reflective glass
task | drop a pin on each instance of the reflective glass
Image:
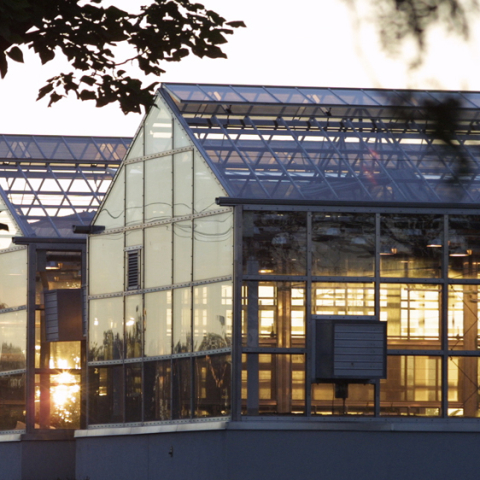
(206, 187)
(463, 386)
(188, 92)
(411, 245)
(158, 323)
(343, 298)
(180, 137)
(360, 400)
(343, 244)
(13, 279)
(134, 195)
(412, 313)
(133, 392)
(64, 355)
(13, 340)
(274, 314)
(182, 183)
(289, 95)
(158, 129)
(157, 390)
(355, 97)
(213, 246)
(321, 96)
(464, 246)
(221, 93)
(212, 385)
(105, 266)
(133, 325)
(112, 213)
(106, 398)
(255, 94)
(158, 189)
(137, 149)
(158, 256)
(463, 309)
(182, 320)
(274, 243)
(181, 388)
(212, 316)
(413, 386)
(182, 252)
(12, 402)
(11, 226)
(106, 329)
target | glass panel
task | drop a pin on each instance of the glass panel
(288, 95)
(134, 200)
(255, 94)
(274, 314)
(206, 187)
(463, 385)
(112, 213)
(213, 246)
(188, 92)
(106, 329)
(355, 97)
(158, 129)
(13, 279)
(182, 252)
(12, 402)
(133, 325)
(136, 150)
(274, 243)
(133, 392)
(182, 320)
(134, 238)
(183, 183)
(463, 317)
(343, 298)
(158, 323)
(221, 93)
(105, 394)
(412, 313)
(413, 386)
(158, 256)
(158, 189)
(64, 355)
(13, 340)
(157, 383)
(343, 244)
(180, 138)
(12, 228)
(182, 380)
(321, 96)
(212, 385)
(327, 399)
(212, 316)
(106, 259)
(411, 246)
(464, 246)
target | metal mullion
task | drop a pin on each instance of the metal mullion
(309, 322)
(444, 319)
(280, 164)
(377, 312)
(94, 193)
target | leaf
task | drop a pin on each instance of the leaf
(87, 95)
(44, 90)
(54, 97)
(88, 80)
(16, 54)
(236, 24)
(3, 65)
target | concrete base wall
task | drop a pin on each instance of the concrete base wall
(280, 455)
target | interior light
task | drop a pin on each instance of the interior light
(435, 243)
(388, 250)
(460, 252)
(130, 323)
(51, 265)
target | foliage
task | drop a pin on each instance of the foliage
(86, 34)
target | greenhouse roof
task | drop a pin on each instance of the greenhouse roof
(333, 144)
(50, 183)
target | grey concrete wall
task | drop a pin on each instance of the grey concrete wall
(280, 455)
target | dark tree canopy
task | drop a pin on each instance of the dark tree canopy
(86, 34)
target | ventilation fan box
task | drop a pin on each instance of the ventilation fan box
(63, 315)
(350, 350)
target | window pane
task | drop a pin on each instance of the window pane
(136, 150)
(463, 317)
(158, 256)
(212, 316)
(133, 325)
(360, 400)
(105, 395)
(180, 138)
(158, 129)
(12, 402)
(112, 213)
(134, 200)
(411, 246)
(463, 385)
(343, 244)
(182, 251)
(412, 313)
(183, 183)
(158, 189)
(158, 323)
(13, 279)
(343, 298)
(212, 384)
(464, 246)
(133, 392)
(274, 243)
(206, 187)
(182, 320)
(13, 340)
(106, 329)
(157, 383)
(182, 378)
(213, 246)
(413, 386)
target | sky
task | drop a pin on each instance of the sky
(304, 42)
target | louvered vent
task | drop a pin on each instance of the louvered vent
(133, 266)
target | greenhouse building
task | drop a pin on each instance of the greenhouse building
(274, 282)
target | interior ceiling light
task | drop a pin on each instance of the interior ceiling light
(435, 243)
(460, 252)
